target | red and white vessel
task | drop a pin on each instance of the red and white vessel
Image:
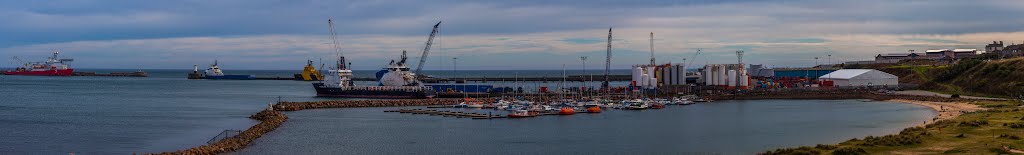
(53, 66)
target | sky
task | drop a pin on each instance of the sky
(493, 35)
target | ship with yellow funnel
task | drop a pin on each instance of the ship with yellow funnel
(310, 73)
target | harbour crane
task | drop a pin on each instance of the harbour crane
(694, 58)
(19, 60)
(426, 50)
(607, 61)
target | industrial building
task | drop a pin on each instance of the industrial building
(728, 76)
(859, 78)
(653, 76)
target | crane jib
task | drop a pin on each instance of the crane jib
(426, 49)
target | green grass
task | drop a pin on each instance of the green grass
(983, 132)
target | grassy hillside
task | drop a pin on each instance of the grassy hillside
(994, 131)
(997, 78)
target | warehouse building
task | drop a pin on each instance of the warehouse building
(859, 78)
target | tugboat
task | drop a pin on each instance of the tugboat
(310, 73)
(398, 84)
(52, 67)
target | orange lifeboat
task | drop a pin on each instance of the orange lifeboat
(594, 109)
(566, 111)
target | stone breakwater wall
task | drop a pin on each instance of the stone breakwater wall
(296, 106)
(269, 120)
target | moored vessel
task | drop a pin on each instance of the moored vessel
(53, 66)
(399, 84)
(214, 73)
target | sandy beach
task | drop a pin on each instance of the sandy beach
(946, 110)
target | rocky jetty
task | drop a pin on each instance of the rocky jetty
(269, 119)
(295, 106)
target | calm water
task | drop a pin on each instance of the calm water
(166, 112)
(726, 127)
(163, 112)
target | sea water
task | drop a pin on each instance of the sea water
(166, 112)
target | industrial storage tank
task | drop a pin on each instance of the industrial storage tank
(722, 77)
(654, 83)
(744, 79)
(643, 81)
(650, 74)
(732, 79)
(666, 75)
(707, 75)
(637, 72)
(680, 72)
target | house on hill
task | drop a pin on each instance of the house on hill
(895, 57)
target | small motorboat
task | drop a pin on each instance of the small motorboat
(470, 103)
(520, 114)
(657, 106)
(635, 104)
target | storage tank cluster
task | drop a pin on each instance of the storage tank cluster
(729, 76)
(650, 77)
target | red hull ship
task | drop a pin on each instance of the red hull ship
(52, 67)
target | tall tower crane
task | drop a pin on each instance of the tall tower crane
(426, 51)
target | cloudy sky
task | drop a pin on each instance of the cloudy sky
(523, 34)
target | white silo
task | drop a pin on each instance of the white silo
(744, 79)
(637, 72)
(643, 80)
(708, 71)
(722, 77)
(654, 83)
(651, 75)
(732, 78)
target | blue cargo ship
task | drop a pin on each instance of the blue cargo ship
(396, 82)
(214, 73)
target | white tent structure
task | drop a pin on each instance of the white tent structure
(860, 77)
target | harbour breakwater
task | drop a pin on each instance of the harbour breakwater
(269, 119)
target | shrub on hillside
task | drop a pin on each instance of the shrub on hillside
(849, 151)
(793, 151)
(825, 147)
(892, 140)
(941, 123)
(957, 69)
(1015, 125)
(974, 123)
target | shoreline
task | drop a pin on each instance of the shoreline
(272, 117)
(945, 110)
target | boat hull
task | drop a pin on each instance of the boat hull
(231, 77)
(323, 91)
(56, 72)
